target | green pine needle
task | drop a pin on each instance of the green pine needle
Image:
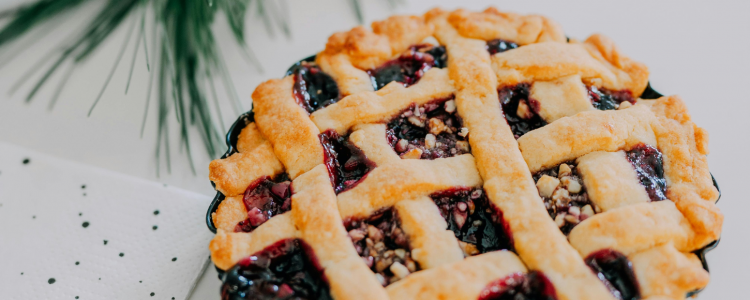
(185, 53)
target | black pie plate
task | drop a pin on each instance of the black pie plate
(249, 117)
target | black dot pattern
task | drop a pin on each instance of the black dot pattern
(122, 254)
(51, 281)
(85, 224)
(26, 161)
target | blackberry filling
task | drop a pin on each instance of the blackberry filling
(608, 100)
(313, 89)
(432, 130)
(530, 286)
(478, 225)
(281, 271)
(520, 111)
(499, 46)
(647, 162)
(263, 199)
(383, 245)
(616, 272)
(410, 66)
(564, 195)
(347, 165)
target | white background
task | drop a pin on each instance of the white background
(698, 49)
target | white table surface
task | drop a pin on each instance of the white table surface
(698, 49)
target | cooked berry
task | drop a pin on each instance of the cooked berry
(647, 162)
(603, 99)
(383, 245)
(520, 111)
(410, 66)
(616, 272)
(478, 225)
(499, 46)
(432, 130)
(530, 286)
(281, 271)
(263, 199)
(347, 165)
(313, 89)
(564, 195)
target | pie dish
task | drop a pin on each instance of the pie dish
(464, 155)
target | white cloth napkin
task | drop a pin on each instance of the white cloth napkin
(70, 231)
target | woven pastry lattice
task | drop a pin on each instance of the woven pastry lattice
(462, 155)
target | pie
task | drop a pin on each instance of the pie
(464, 155)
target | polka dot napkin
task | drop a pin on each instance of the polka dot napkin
(70, 231)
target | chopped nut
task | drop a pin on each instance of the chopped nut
(356, 235)
(562, 195)
(625, 104)
(415, 153)
(450, 106)
(411, 265)
(547, 185)
(436, 126)
(415, 253)
(380, 278)
(379, 246)
(417, 111)
(560, 220)
(476, 194)
(463, 132)
(374, 233)
(523, 111)
(401, 253)
(388, 254)
(462, 145)
(416, 121)
(469, 249)
(476, 223)
(597, 209)
(587, 211)
(382, 264)
(399, 270)
(402, 145)
(429, 141)
(571, 219)
(564, 170)
(571, 184)
(574, 210)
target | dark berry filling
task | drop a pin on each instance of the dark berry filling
(499, 46)
(383, 246)
(429, 131)
(284, 270)
(347, 165)
(410, 66)
(564, 195)
(530, 286)
(616, 272)
(313, 89)
(263, 199)
(603, 99)
(647, 162)
(477, 224)
(521, 112)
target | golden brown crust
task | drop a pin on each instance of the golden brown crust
(233, 174)
(572, 137)
(610, 180)
(655, 236)
(460, 280)
(493, 24)
(228, 248)
(409, 179)
(432, 245)
(507, 181)
(230, 212)
(597, 61)
(287, 126)
(315, 215)
(664, 271)
(635, 228)
(371, 107)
